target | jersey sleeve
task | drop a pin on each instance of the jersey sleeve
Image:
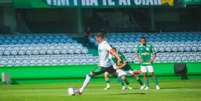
(107, 47)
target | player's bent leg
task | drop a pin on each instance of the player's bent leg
(88, 78)
(151, 70)
(122, 79)
(107, 80)
(119, 73)
(139, 81)
(136, 77)
(124, 82)
(127, 83)
(85, 84)
(146, 81)
(155, 81)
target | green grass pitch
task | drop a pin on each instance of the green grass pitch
(171, 90)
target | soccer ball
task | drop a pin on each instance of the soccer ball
(71, 91)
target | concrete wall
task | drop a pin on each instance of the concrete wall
(8, 17)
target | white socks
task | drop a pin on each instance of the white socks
(85, 84)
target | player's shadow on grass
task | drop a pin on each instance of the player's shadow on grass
(130, 94)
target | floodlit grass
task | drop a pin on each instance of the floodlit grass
(171, 90)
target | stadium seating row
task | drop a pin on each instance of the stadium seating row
(161, 46)
(48, 60)
(43, 49)
(172, 57)
(60, 49)
(155, 37)
(35, 39)
(76, 59)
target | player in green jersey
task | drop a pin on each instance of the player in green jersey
(123, 69)
(146, 55)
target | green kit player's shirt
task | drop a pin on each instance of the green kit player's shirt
(121, 55)
(145, 52)
(123, 58)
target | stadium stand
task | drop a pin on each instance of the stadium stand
(40, 49)
(60, 49)
(172, 47)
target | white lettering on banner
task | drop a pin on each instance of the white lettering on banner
(147, 2)
(85, 2)
(66, 2)
(144, 2)
(138, 2)
(49, 2)
(55, 2)
(158, 2)
(94, 3)
(103, 2)
(58, 2)
(89, 3)
(150, 2)
(111, 3)
(75, 2)
(124, 2)
(108, 3)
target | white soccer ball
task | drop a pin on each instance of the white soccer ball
(71, 91)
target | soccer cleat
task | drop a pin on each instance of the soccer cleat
(157, 87)
(142, 87)
(107, 87)
(78, 92)
(130, 88)
(74, 91)
(146, 88)
(124, 88)
(137, 72)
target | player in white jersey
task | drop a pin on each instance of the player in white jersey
(104, 49)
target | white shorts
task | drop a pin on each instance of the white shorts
(145, 69)
(121, 72)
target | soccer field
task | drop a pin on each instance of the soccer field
(171, 90)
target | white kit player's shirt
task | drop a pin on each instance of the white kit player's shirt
(103, 52)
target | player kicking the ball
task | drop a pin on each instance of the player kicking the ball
(146, 55)
(123, 69)
(104, 49)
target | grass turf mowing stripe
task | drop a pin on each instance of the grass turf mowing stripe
(172, 90)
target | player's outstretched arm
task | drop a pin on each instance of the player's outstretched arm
(138, 57)
(121, 66)
(114, 53)
(154, 57)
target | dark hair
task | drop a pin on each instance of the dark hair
(100, 34)
(114, 48)
(142, 37)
